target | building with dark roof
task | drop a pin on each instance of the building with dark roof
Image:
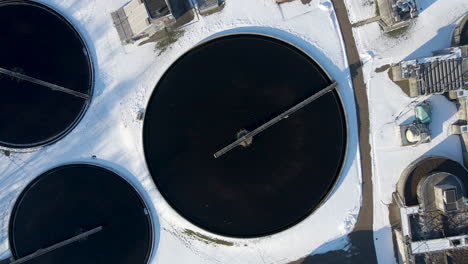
(396, 14)
(156, 18)
(142, 18)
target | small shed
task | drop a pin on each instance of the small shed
(441, 191)
(142, 18)
(447, 197)
(395, 14)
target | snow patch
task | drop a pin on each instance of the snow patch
(325, 5)
(341, 243)
(348, 223)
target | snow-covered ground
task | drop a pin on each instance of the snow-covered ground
(390, 107)
(359, 10)
(125, 79)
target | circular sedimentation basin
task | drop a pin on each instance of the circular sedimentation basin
(85, 214)
(216, 93)
(46, 75)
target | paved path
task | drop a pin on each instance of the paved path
(362, 249)
(367, 21)
(365, 219)
(51, 86)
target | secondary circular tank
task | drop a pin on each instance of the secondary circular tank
(81, 213)
(46, 75)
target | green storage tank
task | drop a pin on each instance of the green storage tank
(423, 113)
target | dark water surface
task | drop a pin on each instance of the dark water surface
(39, 43)
(214, 91)
(69, 200)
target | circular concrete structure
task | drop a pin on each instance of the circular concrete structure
(421, 169)
(460, 34)
(40, 51)
(464, 35)
(74, 200)
(214, 94)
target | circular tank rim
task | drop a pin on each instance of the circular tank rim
(339, 176)
(402, 185)
(152, 251)
(54, 139)
(459, 25)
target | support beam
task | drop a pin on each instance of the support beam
(43, 83)
(64, 243)
(249, 135)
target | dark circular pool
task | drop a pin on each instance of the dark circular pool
(220, 88)
(71, 200)
(39, 43)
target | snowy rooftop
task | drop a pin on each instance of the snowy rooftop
(455, 53)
